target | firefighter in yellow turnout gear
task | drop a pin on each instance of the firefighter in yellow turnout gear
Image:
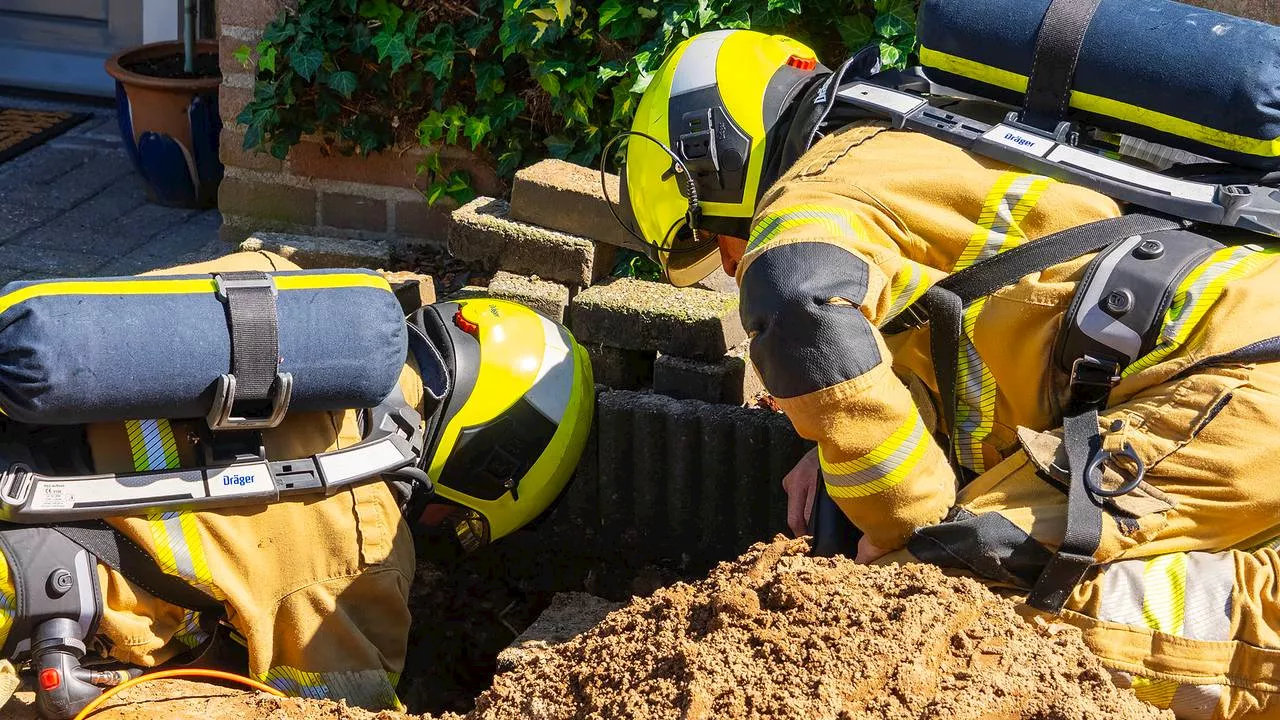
(1183, 601)
(315, 586)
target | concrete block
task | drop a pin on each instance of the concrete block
(684, 477)
(619, 368)
(482, 232)
(641, 315)
(731, 379)
(563, 196)
(413, 290)
(309, 251)
(550, 299)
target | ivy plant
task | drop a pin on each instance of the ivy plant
(513, 80)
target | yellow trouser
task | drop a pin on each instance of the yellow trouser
(317, 588)
(862, 226)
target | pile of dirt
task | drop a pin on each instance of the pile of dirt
(774, 634)
(779, 634)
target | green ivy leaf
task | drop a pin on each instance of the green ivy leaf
(558, 145)
(439, 64)
(476, 36)
(343, 82)
(508, 162)
(477, 127)
(856, 31)
(391, 45)
(267, 59)
(550, 83)
(305, 62)
(890, 55)
(489, 81)
(787, 6)
(899, 16)
(458, 187)
(613, 10)
(647, 13)
(242, 54)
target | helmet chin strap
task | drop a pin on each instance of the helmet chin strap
(692, 215)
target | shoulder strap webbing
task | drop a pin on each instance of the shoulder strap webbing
(121, 554)
(1053, 67)
(943, 305)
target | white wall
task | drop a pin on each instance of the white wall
(160, 20)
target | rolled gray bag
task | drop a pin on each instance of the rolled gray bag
(109, 349)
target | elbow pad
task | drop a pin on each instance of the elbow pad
(801, 340)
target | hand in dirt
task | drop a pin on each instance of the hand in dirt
(801, 484)
(868, 553)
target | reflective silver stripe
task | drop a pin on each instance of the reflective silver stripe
(1122, 593)
(1210, 581)
(1196, 702)
(697, 68)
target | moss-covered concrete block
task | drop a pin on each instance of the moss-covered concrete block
(567, 197)
(731, 379)
(550, 299)
(310, 251)
(483, 232)
(640, 315)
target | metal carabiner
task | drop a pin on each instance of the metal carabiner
(1126, 487)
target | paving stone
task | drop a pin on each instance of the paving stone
(309, 251)
(641, 315)
(18, 218)
(482, 232)
(94, 226)
(192, 234)
(684, 477)
(41, 166)
(55, 263)
(563, 196)
(731, 379)
(550, 299)
(102, 169)
(618, 368)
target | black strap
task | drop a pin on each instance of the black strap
(1053, 67)
(945, 311)
(1075, 555)
(255, 342)
(121, 554)
(984, 278)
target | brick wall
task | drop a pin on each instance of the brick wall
(310, 193)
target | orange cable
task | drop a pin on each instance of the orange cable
(162, 674)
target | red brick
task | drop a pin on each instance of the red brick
(390, 168)
(250, 13)
(231, 100)
(268, 201)
(419, 220)
(353, 212)
(231, 151)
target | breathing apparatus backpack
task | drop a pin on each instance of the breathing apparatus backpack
(1171, 109)
(507, 404)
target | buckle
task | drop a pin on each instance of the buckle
(224, 398)
(1092, 379)
(912, 317)
(222, 283)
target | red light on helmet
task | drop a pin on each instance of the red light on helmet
(465, 325)
(802, 63)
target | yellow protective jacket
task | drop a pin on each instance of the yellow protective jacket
(1185, 606)
(317, 588)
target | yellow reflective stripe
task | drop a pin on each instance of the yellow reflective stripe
(1163, 604)
(152, 444)
(908, 285)
(1263, 147)
(834, 222)
(8, 600)
(370, 689)
(190, 286)
(190, 634)
(999, 224)
(975, 395)
(1196, 294)
(1155, 691)
(998, 228)
(884, 467)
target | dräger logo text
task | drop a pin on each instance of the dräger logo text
(238, 480)
(1024, 142)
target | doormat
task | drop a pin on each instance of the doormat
(21, 130)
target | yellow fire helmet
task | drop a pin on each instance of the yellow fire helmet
(513, 424)
(699, 149)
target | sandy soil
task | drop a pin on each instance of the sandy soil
(774, 634)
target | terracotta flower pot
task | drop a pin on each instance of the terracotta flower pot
(170, 126)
